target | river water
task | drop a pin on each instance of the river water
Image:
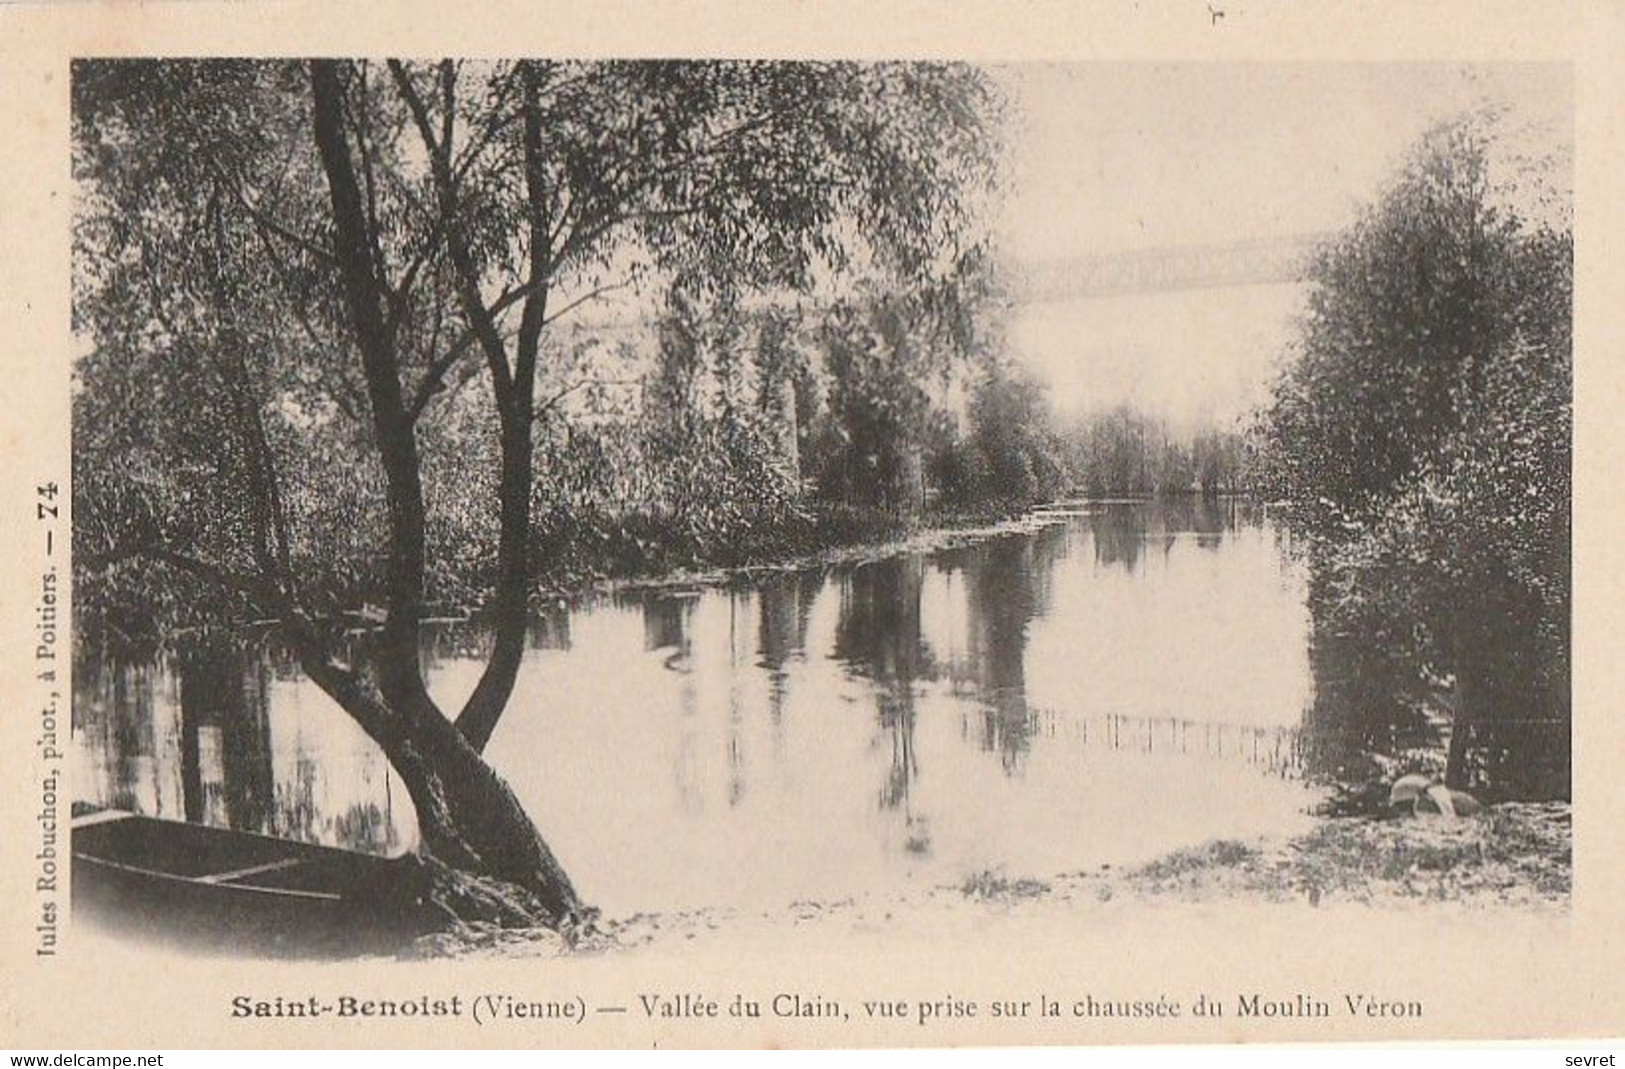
(1109, 684)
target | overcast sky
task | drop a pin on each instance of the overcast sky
(1118, 157)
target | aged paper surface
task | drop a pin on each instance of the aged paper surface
(992, 967)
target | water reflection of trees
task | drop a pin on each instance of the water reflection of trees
(1119, 537)
(1007, 583)
(877, 634)
(224, 695)
(668, 624)
(1122, 532)
(1375, 695)
(739, 610)
(114, 715)
(784, 605)
(190, 737)
(1007, 586)
(668, 629)
(1365, 700)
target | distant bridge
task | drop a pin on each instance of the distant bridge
(1185, 267)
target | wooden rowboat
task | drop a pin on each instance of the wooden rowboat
(242, 892)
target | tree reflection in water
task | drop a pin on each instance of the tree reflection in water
(668, 629)
(1007, 587)
(878, 635)
(193, 739)
(855, 723)
(784, 607)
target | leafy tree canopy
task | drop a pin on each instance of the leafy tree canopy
(224, 424)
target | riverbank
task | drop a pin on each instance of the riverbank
(829, 535)
(826, 535)
(1514, 855)
(945, 531)
(1514, 859)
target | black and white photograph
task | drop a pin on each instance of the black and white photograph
(573, 515)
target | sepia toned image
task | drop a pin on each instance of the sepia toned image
(863, 545)
(852, 551)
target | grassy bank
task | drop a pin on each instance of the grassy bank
(1516, 854)
(1514, 857)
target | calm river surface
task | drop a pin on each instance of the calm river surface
(1123, 681)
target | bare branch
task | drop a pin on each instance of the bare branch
(260, 217)
(480, 317)
(593, 295)
(448, 104)
(533, 316)
(580, 384)
(434, 377)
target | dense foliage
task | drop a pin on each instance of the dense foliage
(1421, 438)
(1123, 452)
(219, 361)
(322, 305)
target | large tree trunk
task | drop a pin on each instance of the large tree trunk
(509, 610)
(469, 818)
(906, 492)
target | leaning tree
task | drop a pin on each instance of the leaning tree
(283, 269)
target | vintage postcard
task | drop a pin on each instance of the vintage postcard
(719, 525)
